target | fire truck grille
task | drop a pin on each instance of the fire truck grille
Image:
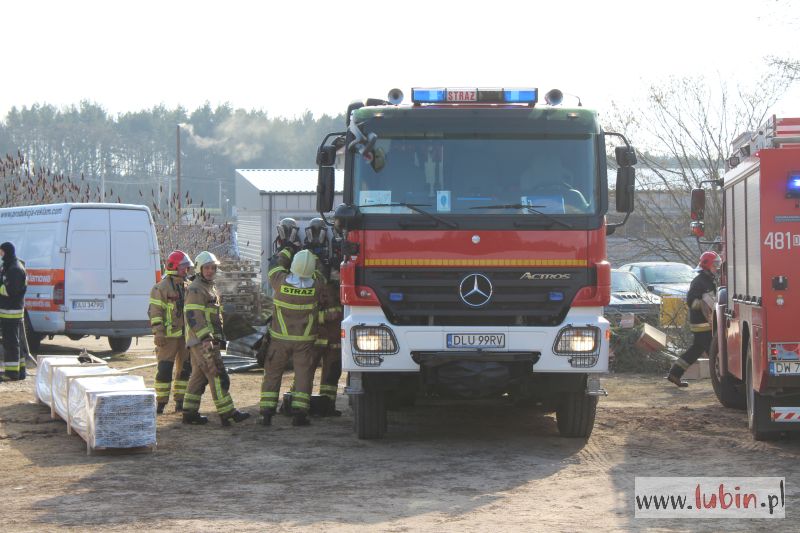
(533, 297)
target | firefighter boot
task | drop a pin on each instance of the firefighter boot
(178, 406)
(266, 418)
(300, 418)
(237, 416)
(193, 417)
(22, 373)
(160, 407)
(674, 376)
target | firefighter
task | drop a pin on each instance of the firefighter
(13, 284)
(288, 237)
(204, 339)
(296, 301)
(329, 342)
(700, 315)
(167, 299)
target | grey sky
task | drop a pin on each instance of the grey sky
(287, 57)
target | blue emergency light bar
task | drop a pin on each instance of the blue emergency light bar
(474, 95)
(793, 185)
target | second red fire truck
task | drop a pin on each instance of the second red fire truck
(756, 357)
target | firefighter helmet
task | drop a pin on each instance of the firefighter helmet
(178, 259)
(304, 264)
(204, 258)
(288, 231)
(709, 259)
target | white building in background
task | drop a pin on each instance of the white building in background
(265, 196)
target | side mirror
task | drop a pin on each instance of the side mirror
(698, 228)
(625, 156)
(698, 205)
(325, 189)
(326, 156)
(626, 183)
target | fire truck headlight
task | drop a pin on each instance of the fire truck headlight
(373, 340)
(577, 340)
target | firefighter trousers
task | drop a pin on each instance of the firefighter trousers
(208, 369)
(13, 366)
(700, 345)
(278, 355)
(172, 356)
(331, 356)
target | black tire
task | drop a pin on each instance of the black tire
(728, 389)
(758, 408)
(575, 415)
(369, 414)
(119, 344)
(34, 339)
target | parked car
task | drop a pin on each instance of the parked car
(663, 278)
(629, 295)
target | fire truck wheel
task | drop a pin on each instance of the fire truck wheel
(757, 408)
(369, 413)
(119, 344)
(729, 390)
(575, 414)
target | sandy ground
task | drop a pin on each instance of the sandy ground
(443, 468)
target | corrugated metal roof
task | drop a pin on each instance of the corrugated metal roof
(287, 180)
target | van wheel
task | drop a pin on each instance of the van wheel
(575, 414)
(34, 339)
(119, 344)
(728, 391)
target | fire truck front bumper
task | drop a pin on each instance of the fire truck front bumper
(371, 343)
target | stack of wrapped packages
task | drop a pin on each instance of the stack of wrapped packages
(106, 407)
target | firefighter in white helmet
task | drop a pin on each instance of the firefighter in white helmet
(204, 339)
(297, 299)
(167, 298)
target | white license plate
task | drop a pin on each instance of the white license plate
(783, 368)
(476, 340)
(88, 305)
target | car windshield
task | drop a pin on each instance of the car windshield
(625, 282)
(663, 274)
(488, 174)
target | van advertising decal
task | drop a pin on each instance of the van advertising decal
(43, 276)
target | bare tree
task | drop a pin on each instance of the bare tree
(683, 133)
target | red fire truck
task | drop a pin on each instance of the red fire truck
(755, 358)
(475, 250)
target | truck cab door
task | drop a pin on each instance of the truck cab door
(87, 271)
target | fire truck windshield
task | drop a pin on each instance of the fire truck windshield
(554, 175)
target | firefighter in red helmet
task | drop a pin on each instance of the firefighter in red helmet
(167, 298)
(700, 299)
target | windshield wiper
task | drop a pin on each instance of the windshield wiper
(416, 209)
(531, 208)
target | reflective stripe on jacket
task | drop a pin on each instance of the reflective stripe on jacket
(295, 309)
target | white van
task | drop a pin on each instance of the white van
(90, 269)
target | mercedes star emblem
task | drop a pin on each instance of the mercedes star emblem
(475, 290)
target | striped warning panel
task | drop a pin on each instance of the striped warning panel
(785, 414)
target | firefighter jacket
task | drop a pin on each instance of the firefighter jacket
(13, 284)
(702, 284)
(167, 298)
(203, 312)
(295, 303)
